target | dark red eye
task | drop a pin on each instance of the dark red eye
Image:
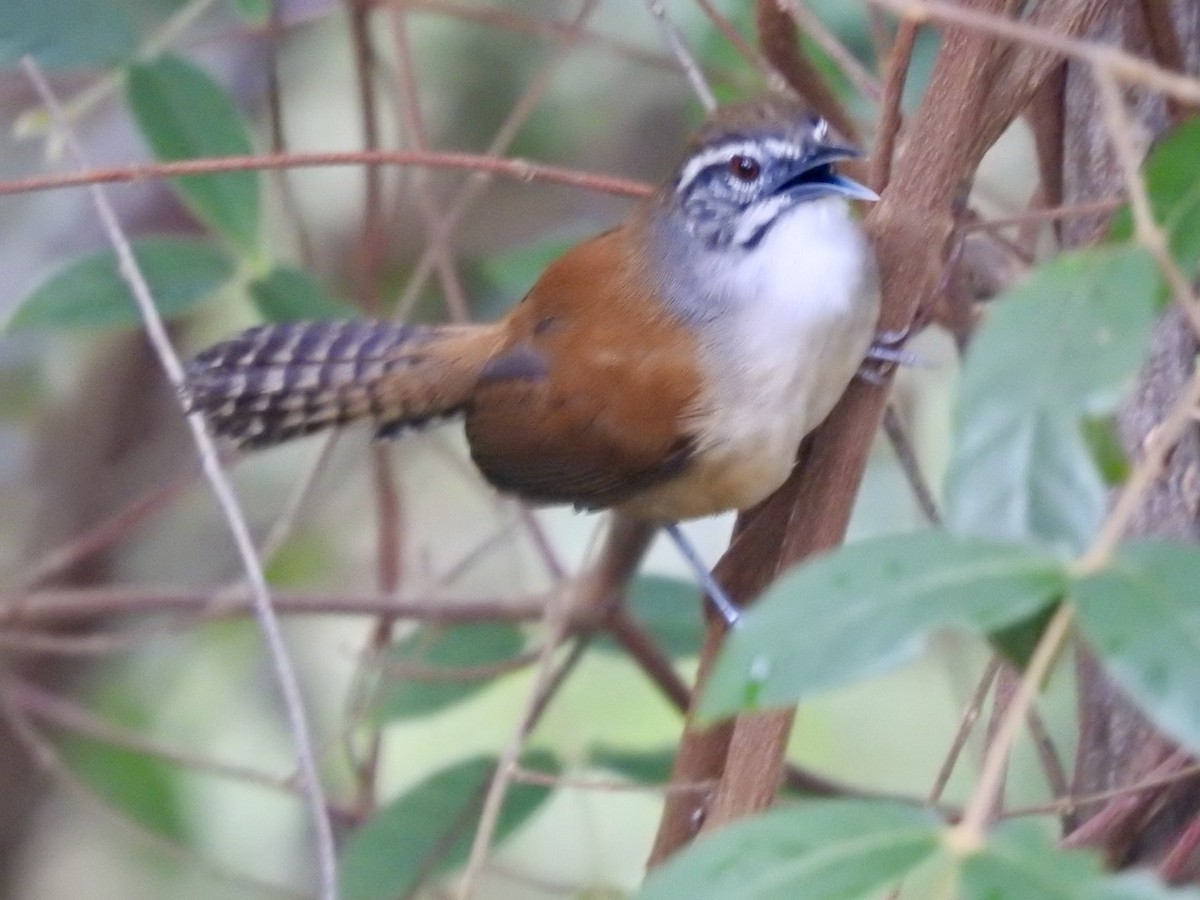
(745, 167)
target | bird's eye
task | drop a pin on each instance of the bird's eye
(745, 168)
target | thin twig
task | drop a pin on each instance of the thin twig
(65, 606)
(405, 670)
(99, 536)
(1146, 231)
(968, 834)
(745, 49)
(606, 785)
(1068, 803)
(268, 621)
(687, 63)
(1045, 214)
(1120, 63)
(856, 73)
(965, 726)
(64, 714)
(890, 119)
(409, 103)
(970, 830)
(906, 454)
(557, 623)
(1115, 816)
(536, 90)
(373, 230)
(287, 191)
(1048, 755)
(518, 169)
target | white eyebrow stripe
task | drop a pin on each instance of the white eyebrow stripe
(774, 147)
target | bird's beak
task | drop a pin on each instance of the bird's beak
(816, 176)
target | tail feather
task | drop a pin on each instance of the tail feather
(277, 382)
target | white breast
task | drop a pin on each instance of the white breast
(799, 313)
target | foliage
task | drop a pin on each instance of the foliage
(1032, 461)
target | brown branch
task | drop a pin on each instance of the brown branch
(279, 144)
(457, 207)
(966, 725)
(517, 169)
(1119, 63)
(1048, 214)
(408, 101)
(100, 536)
(373, 232)
(856, 73)
(960, 117)
(781, 45)
(63, 607)
(1164, 44)
(898, 63)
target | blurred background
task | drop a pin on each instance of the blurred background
(128, 702)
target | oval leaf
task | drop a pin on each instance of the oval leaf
(1024, 475)
(1063, 344)
(291, 295)
(869, 607)
(834, 850)
(1142, 615)
(184, 114)
(436, 667)
(90, 292)
(1173, 184)
(429, 829)
(1019, 863)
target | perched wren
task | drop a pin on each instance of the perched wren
(666, 369)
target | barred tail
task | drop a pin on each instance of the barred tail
(276, 382)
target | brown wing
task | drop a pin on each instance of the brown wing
(591, 398)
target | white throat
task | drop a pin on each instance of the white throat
(793, 319)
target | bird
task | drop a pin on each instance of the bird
(666, 369)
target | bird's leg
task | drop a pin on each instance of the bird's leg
(887, 352)
(716, 594)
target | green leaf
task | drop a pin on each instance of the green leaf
(669, 609)
(291, 295)
(1063, 344)
(1018, 641)
(869, 607)
(1022, 475)
(1019, 862)
(1173, 184)
(65, 34)
(90, 293)
(829, 850)
(429, 829)
(1104, 444)
(1139, 886)
(649, 766)
(144, 787)
(256, 12)
(442, 660)
(184, 114)
(1142, 615)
